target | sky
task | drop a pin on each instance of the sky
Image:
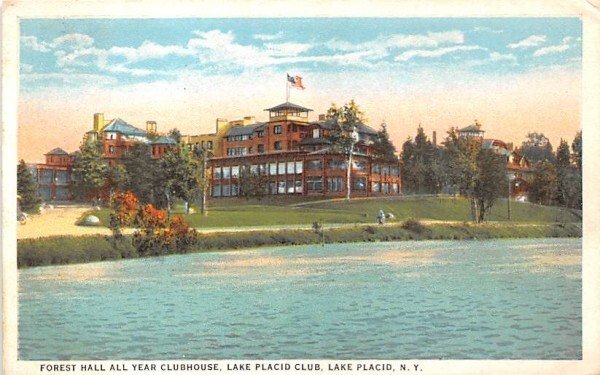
(514, 75)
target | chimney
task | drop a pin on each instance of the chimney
(322, 117)
(220, 122)
(151, 126)
(434, 138)
(98, 121)
(249, 120)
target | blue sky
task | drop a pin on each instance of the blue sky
(514, 75)
(143, 50)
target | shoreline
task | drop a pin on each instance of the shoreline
(61, 250)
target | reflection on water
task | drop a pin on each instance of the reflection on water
(499, 299)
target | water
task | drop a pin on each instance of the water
(498, 299)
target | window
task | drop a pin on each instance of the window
(226, 190)
(337, 164)
(216, 191)
(235, 171)
(272, 169)
(360, 184)
(314, 184)
(260, 133)
(314, 165)
(254, 169)
(290, 186)
(277, 129)
(217, 172)
(209, 145)
(234, 190)
(315, 133)
(262, 169)
(359, 165)
(376, 169)
(277, 145)
(298, 186)
(249, 150)
(281, 187)
(281, 168)
(395, 170)
(395, 188)
(335, 184)
(385, 187)
(375, 187)
(272, 188)
(299, 166)
(290, 167)
(111, 149)
(226, 172)
(261, 149)
(386, 170)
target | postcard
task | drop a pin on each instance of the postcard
(299, 187)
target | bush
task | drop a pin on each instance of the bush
(414, 226)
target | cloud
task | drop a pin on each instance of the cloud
(431, 39)
(551, 49)
(407, 55)
(268, 37)
(149, 50)
(74, 41)
(531, 41)
(287, 49)
(495, 56)
(32, 42)
(486, 29)
(26, 68)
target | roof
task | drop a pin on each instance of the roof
(120, 126)
(244, 130)
(471, 128)
(288, 105)
(57, 151)
(164, 141)
(361, 128)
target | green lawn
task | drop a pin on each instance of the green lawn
(242, 213)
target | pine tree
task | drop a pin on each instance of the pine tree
(27, 188)
(383, 148)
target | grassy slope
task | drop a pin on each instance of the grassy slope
(239, 213)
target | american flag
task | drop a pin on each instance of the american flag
(295, 81)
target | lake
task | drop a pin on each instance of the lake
(492, 299)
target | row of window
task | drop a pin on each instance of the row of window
(272, 169)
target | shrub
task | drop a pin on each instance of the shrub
(414, 226)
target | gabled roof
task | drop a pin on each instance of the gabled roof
(57, 151)
(361, 128)
(120, 126)
(471, 128)
(164, 141)
(288, 105)
(245, 130)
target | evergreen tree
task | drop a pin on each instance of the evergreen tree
(544, 187)
(27, 187)
(383, 148)
(89, 170)
(564, 171)
(175, 134)
(577, 178)
(577, 150)
(537, 147)
(422, 165)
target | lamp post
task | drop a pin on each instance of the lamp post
(353, 139)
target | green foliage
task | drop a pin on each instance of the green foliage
(89, 170)
(175, 134)
(27, 188)
(537, 147)
(180, 175)
(544, 187)
(423, 168)
(142, 175)
(383, 149)
(577, 150)
(491, 181)
(116, 178)
(346, 118)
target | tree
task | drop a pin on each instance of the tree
(564, 170)
(116, 179)
(537, 147)
(27, 187)
(175, 134)
(344, 134)
(577, 150)
(383, 148)
(577, 178)
(422, 165)
(491, 181)
(89, 170)
(252, 183)
(142, 175)
(180, 175)
(544, 187)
